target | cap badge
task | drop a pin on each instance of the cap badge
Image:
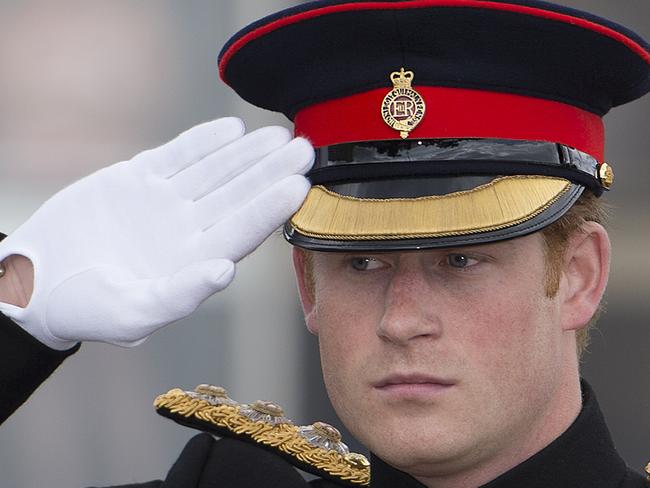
(403, 108)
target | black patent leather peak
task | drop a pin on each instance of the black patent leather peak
(361, 163)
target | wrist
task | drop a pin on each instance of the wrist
(17, 280)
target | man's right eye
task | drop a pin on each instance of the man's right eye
(365, 263)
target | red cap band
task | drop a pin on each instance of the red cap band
(455, 113)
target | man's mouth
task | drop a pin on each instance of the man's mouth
(413, 385)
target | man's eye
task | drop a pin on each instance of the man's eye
(365, 264)
(460, 261)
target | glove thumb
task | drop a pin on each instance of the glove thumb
(181, 293)
(144, 305)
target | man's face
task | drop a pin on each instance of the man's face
(439, 359)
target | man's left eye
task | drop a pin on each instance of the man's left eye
(365, 263)
(461, 261)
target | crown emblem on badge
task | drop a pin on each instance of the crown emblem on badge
(402, 108)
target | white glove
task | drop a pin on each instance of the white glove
(142, 243)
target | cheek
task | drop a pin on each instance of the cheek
(347, 317)
(347, 340)
(341, 359)
(512, 334)
(344, 334)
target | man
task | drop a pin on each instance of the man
(449, 254)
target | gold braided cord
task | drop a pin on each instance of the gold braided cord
(284, 437)
(501, 203)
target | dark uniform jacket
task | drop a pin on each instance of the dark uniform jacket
(583, 457)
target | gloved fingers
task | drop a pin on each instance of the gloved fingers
(293, 158)
(191, 146)
(220, 167)
(240, 232)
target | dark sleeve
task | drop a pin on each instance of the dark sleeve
(24, 364)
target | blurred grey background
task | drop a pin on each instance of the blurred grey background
(87, 83)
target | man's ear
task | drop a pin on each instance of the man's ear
(585, 274)
(305, 281)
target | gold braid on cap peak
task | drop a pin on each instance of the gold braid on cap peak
(316, 448)
(501, 203)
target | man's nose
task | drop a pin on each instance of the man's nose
(409, 308)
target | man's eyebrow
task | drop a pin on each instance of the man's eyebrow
(510, 244)
(491, 247)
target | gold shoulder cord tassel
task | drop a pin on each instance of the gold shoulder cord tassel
(647, 470)
(316, 448)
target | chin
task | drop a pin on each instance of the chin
(421, 457)
(411, 442)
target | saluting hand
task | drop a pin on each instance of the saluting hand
(142, 243)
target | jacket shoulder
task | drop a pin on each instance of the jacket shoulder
(208, 462)
(636, 480)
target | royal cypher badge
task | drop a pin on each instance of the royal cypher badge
(403, 108)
